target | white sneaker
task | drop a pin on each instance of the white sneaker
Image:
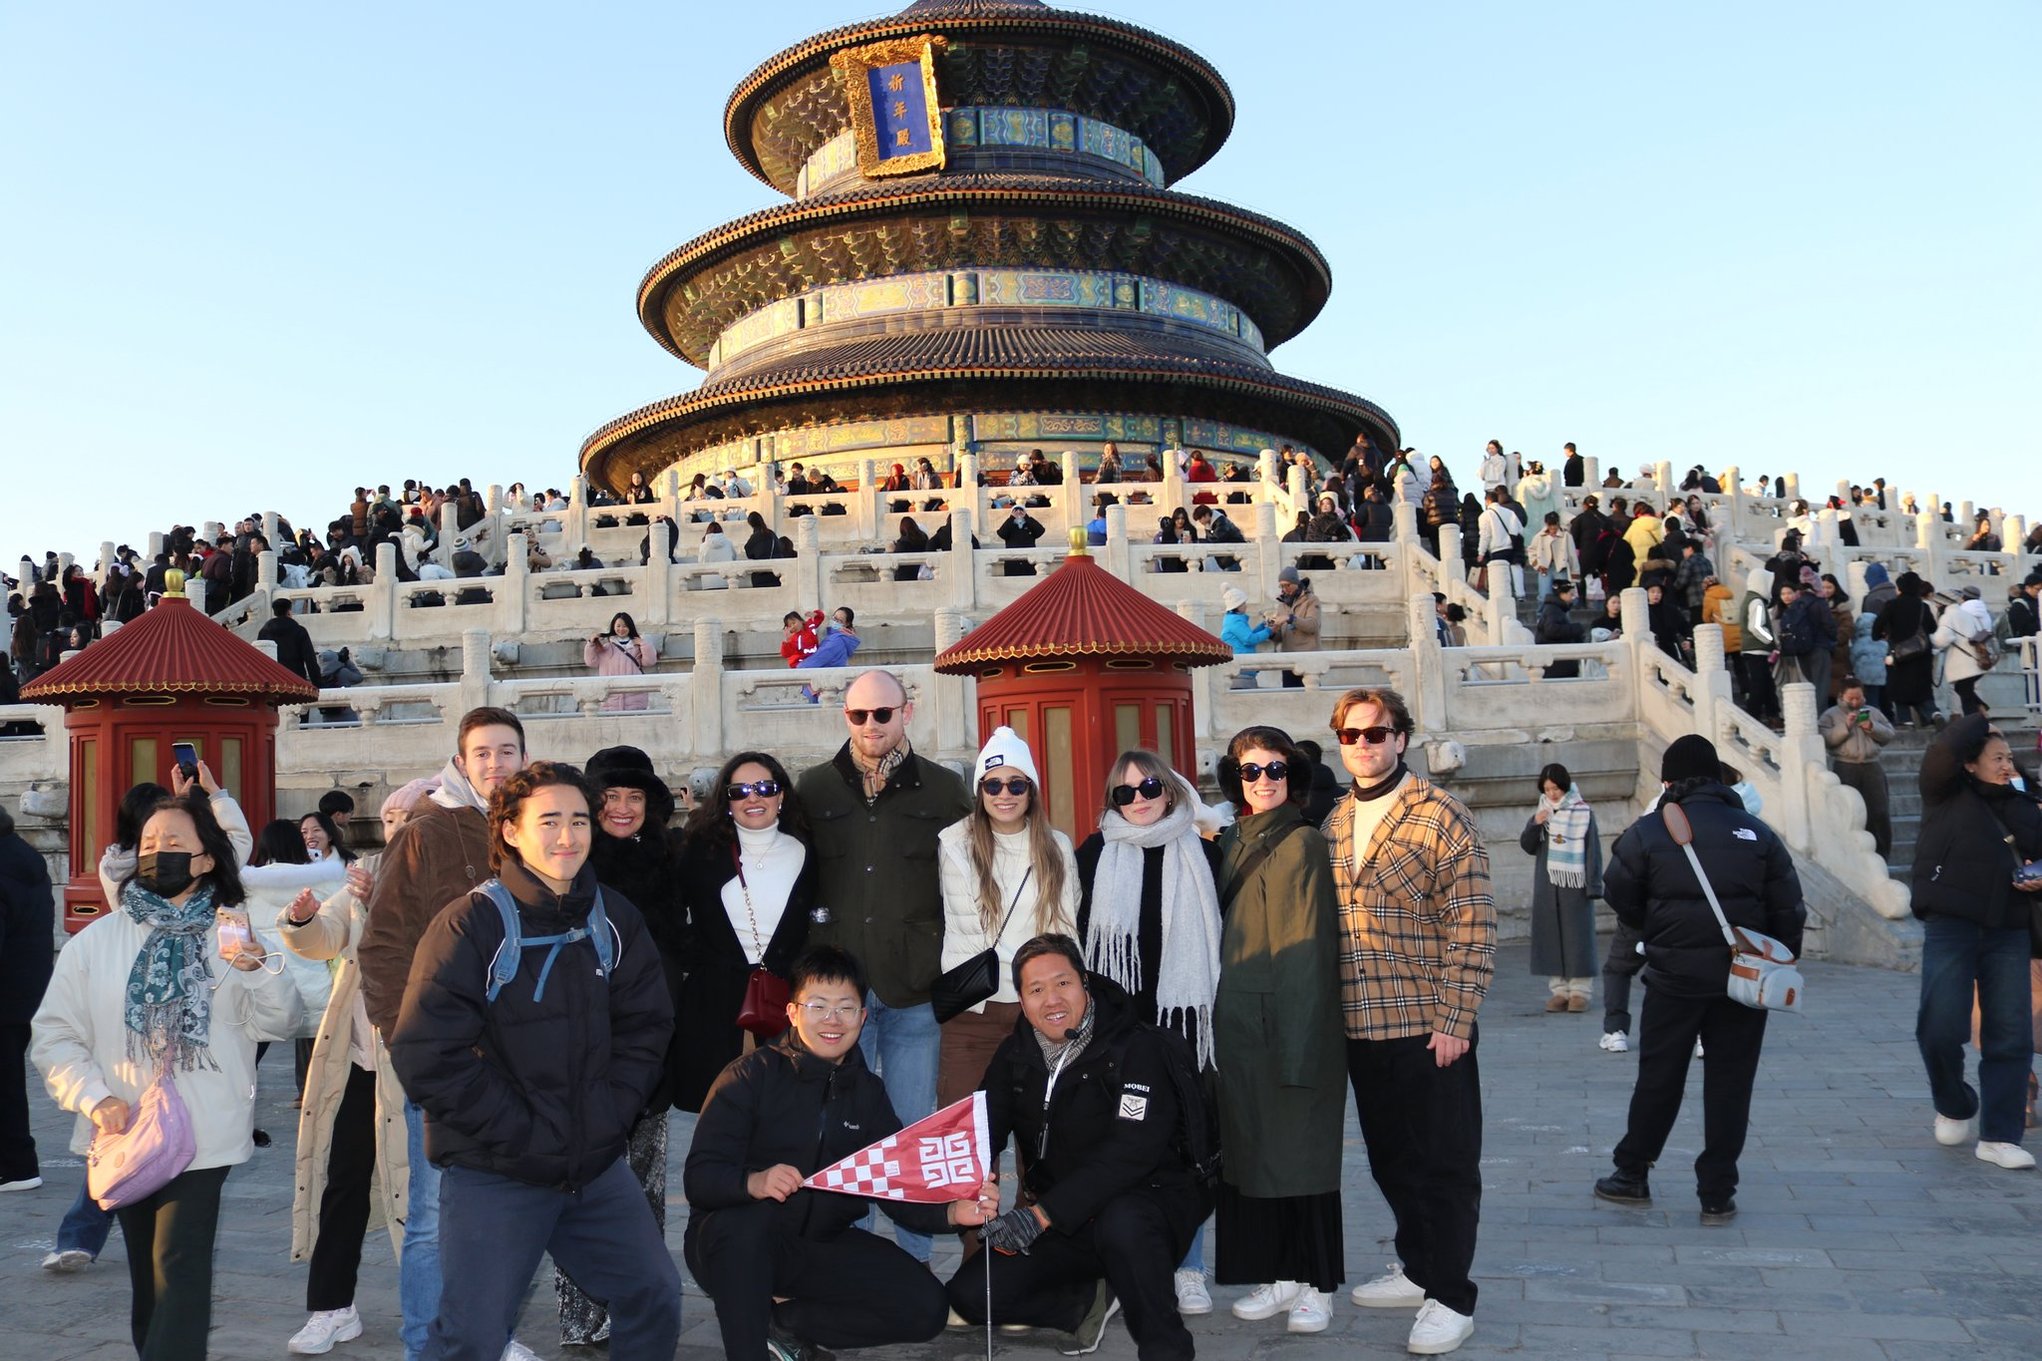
(1311, 1313)
(21, 1184)
(2010, 1156)
(1391, 1290)
(1192, 1296)
(1951, 1133)
(1698, 1048)
(1267, 1301)
(515, 1350)
(67, 1260)
(1438, 1330)
(325, 1328)
(1615, 1042)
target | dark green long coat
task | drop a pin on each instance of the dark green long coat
(1281, 1049)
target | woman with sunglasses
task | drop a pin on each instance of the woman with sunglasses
(1007, 877)
(1278, 1041)
(748, 884)
(1149, 919)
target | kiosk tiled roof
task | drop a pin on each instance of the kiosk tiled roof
(1082, 610)
(172, 649)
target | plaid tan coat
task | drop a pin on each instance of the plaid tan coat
(1417, 918)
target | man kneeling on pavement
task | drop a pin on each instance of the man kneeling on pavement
(787, 1270)
(1109, 1199)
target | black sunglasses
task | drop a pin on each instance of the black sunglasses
(1125, 794)
(1275, 770)
(880, 716)
(1015, 785)
(1375, 735)
(765, 789)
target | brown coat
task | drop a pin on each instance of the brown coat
(437, 856)
(1297, 622)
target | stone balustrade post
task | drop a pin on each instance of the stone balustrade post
(1591, 476)
(706, 685)
(1801, 758)
(657, 584)
(967, 476)
(1793, 487)
(450, 529)
(1069, 460)
(2013, 533)
(269, 526)
(1203, 719)
(476, 680)
(266, 575)
(955, 697)
(494, 512)
(382, 602)
(1502, 602)
(1268, 547)
(1265, 470)
(1843, 490)
(1854, 582)
(1117, 555)
(871, 503)
(1173, 484)
(808, 575)
(1298, 482)
(961, 572)
(212, 529)
(1404, 533)
(1429, 662)
(65, 561)
(1635, 611)
(576, 522)
(1662, 478)
(106, 547)
(1711, 667)
(514, 600)
(1451, 568)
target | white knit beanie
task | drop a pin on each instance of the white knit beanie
(1005, 753)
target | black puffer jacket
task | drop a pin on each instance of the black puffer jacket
(543, 1091)
(1110, 1126)
(1653, 890)
(782, 1104)
(1963, 864)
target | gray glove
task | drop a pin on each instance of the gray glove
(1013, 1231)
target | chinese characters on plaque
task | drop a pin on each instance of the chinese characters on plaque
(895, 119)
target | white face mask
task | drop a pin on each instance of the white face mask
(2020, 785)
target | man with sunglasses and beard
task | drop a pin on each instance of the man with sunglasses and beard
(875, 810)
(1419, 922)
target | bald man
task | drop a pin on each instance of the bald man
(874, 810)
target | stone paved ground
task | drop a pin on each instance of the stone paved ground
(1860, 1238)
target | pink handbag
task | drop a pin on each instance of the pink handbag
(123, 1168)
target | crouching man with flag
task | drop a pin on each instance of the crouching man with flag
(1106, 1115)
(792, 1141)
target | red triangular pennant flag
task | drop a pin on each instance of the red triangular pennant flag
(943, 1158)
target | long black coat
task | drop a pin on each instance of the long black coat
(27, 926)
(705, 1011)
(1651, 887)
(645, 869)
(1149, 928)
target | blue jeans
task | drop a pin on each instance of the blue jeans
(1956, 957)
(902, 1043)
(603, 1236)
(1194, 1256)
(418, 1267)
(85, 1226)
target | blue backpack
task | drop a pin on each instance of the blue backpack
(504, 966)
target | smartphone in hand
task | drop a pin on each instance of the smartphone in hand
(185, 756)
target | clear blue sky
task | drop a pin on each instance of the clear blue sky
(255, 254)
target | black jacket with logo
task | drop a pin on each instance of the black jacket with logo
(1110, 1125)
(543, 1091)
(782, 1104)
(1653, 890)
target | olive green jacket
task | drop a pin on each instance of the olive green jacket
(876, 868)
(1281, 1050)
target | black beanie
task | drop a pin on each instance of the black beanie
(1692, 757)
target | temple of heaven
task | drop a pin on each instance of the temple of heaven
(983, 253)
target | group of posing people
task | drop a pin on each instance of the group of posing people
(535, 970)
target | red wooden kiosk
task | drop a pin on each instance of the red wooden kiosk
(170, 676)
(1083, 667)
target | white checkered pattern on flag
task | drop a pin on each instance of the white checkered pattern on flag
(943, 1158)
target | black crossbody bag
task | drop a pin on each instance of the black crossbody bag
(958, 990)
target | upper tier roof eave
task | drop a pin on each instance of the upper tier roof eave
(974, 20)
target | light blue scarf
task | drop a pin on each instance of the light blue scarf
(169, 1010)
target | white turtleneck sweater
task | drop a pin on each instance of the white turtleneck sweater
(964, 930)
(771, 863)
